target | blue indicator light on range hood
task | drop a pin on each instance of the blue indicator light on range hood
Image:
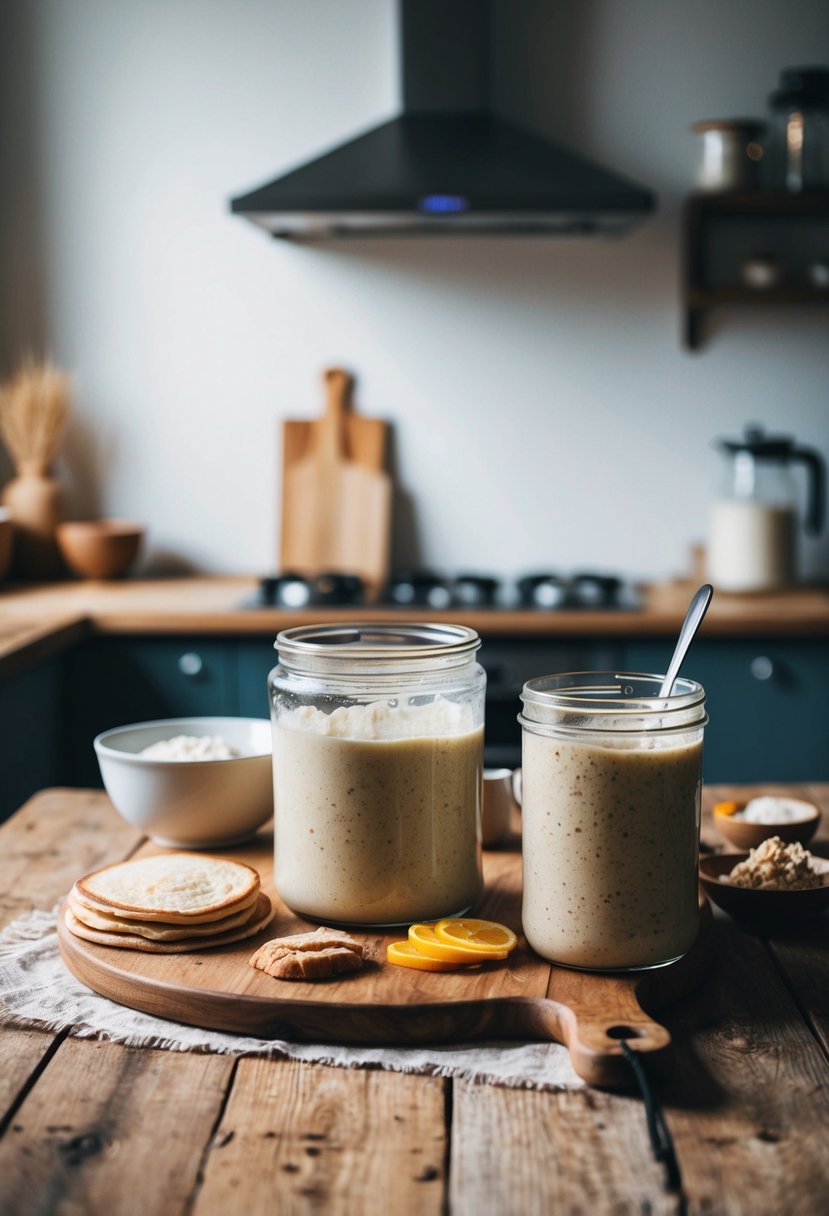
(443, 204)
(383, 181)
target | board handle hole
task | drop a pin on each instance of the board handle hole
(622, 1032)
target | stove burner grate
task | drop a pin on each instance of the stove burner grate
(545, 591)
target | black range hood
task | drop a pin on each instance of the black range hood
(447, 164)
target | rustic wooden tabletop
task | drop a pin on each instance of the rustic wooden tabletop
(95, 1127)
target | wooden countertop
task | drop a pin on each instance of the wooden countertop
(24, 641)
(214, 605)
(97, 1127)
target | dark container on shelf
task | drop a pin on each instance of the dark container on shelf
(799, 130)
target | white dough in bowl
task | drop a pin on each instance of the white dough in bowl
(191, 747)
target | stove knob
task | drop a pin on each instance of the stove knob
(474, 590)
(542, 591)
(293, 591)
(336, 588)
(595, 590)
(399, 593)
(438, 596)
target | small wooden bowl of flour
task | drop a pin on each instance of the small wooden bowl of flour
(748, 824)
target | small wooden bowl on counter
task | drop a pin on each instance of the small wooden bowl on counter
(745, 835)
(100, 548)
(765, 909)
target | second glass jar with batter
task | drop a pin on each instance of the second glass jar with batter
(612, 776)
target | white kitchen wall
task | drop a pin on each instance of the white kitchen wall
(544, 412)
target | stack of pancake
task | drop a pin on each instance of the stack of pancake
(169, 904)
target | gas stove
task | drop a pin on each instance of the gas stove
(546, 591)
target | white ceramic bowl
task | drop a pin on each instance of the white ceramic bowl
(190, 804)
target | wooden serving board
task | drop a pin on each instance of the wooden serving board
(522, 997)
(336, 493)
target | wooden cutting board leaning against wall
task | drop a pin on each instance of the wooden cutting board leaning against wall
(336, 493)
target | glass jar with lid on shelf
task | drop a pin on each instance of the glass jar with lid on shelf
(799, 130)
(732, 152)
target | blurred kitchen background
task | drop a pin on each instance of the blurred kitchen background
(545, 411)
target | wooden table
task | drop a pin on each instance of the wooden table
(94, 1127)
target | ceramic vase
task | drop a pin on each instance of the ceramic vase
(34, 499)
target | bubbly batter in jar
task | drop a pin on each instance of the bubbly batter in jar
(611, 847)
(611, 831)
(383, 829)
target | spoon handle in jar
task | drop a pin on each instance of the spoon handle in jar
(693, 619)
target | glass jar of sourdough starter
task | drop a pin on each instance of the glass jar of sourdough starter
(612, 777)
(378, 762)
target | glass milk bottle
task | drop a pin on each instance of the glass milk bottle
(752, 543)
(378, 766)
(612, 777)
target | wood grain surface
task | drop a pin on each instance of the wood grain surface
(365, 440)
(324, 1141)
(522, 997)
(104, 1130)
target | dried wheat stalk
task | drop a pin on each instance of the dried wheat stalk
(34, 407)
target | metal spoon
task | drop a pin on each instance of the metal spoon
(693, 619)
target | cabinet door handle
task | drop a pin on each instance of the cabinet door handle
(191, 664)
(762, 667)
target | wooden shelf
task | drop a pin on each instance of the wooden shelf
(701, 298)
(761, 203)
(722, 229)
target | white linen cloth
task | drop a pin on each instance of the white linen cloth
(37, 991)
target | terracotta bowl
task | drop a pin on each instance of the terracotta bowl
(765, 909)
(100, 548)
(749, 835)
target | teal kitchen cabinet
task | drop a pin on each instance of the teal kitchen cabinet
(255, 658)
(112, 681)
(509, 662)
(31, 734)
(767, 700)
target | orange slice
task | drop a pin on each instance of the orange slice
(725, 808)
(406, 954)
(483, 936)
(426, 941)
